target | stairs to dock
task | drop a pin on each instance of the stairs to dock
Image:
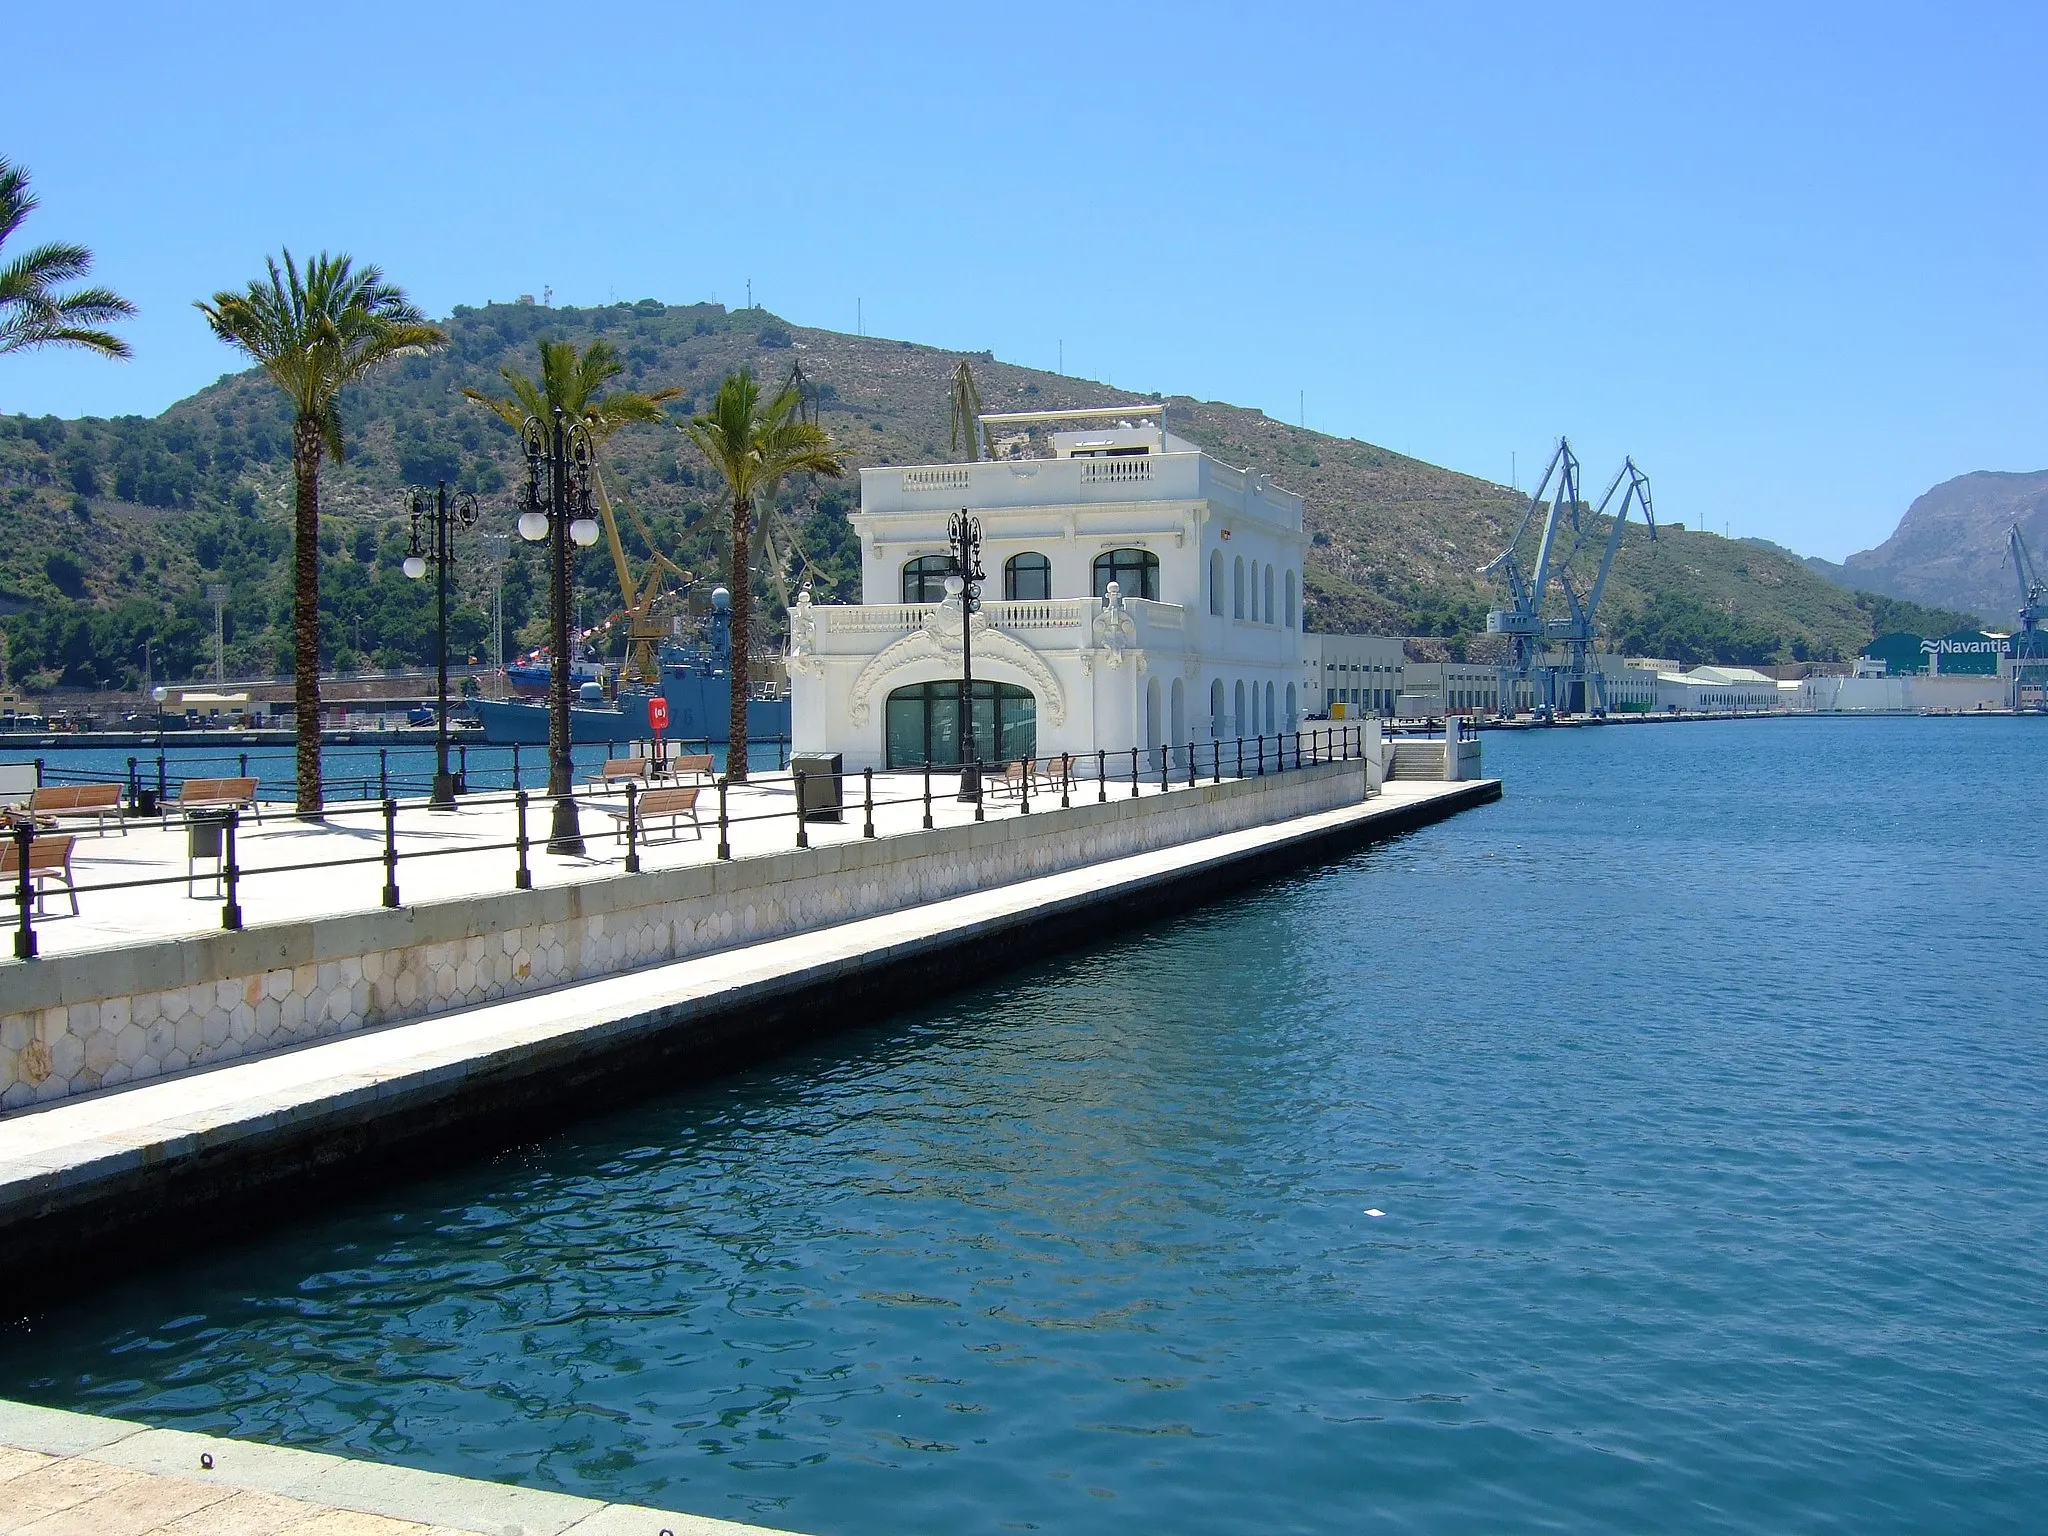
(1417, 760)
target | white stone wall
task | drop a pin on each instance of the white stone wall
(76, 1023)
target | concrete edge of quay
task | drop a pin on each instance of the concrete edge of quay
(182, 1159)
(96, 1473)
(83, 1021)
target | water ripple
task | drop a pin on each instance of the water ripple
(1698, 1089)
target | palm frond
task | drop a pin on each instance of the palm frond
(318, 330)
(34, 272)
(33, 310)
(16, 201)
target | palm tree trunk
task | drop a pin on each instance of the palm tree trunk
(306, 450)
(742, 589)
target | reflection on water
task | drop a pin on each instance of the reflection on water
(1698, 1082)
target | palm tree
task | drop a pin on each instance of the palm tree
(315, 333)
(755, 446)
(573, 382)
(32, 312)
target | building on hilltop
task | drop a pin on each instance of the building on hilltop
(1138, 593)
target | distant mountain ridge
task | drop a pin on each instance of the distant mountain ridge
(1949, 550)
(117, 527)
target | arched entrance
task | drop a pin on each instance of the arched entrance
(1152, 721)
(922, 724)
(1216, 709)
(1177, 718)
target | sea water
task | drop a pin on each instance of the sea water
(1660, 1148)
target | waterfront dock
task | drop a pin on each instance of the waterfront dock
(66, 1474)
(188, 1153)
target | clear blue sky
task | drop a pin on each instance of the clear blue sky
(1787, 256)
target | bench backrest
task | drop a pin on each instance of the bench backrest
(17, 782)
(624, 768)
(50, 851)
(1014, 772)
(75, 797)
(697, 763)
(666, 802)
(198, 791)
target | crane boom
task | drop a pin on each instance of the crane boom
(1522, 620)
(2031, 588)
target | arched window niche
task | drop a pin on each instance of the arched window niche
(1237, 589)
(922, 724)
(1269, 594)
(1135, 571)
(1027, 578)
(924, 579)
(1216, 582)
(1290, 602)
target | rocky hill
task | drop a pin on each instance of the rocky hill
(117, 526)
(1950, 547)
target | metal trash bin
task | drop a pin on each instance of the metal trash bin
(824, 774)
(205, 839)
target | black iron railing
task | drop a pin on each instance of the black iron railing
(1007, 785)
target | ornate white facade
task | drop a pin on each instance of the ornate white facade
(1138, 593)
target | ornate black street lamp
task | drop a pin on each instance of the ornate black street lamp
(963, 580)
(444, 514)
(558, 469)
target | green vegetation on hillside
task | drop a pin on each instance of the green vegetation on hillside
(153, 510)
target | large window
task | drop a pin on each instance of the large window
(1135, 571)
(1216, 582)
(1027, 578)
(924, 579)
(923, 724)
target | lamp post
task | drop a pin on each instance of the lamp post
(558, 469)
(963, 580)
(444, 514)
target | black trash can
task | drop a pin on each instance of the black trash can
(823, 774)
(204, 829)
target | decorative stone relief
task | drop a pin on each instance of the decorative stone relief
(939, 640)
(803, 635)
(1116, 632)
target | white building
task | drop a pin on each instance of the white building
(1711, 690)
(1436, 689)
(1138, 593)
(1351, 677)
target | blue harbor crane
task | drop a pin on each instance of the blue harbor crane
(1573, 687)
(1583, 689)
(1522, 620)
(2030, 645)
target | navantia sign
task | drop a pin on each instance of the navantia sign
(1967, 652)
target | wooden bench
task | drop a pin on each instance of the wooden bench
(698, 766)
(651, 805)
(216, 794)
(49, 858)
(56, 802)
(1054, 773)
(620, 770)
(1011, 780)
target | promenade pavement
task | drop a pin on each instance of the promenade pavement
(73, 1474)
(294, 870)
